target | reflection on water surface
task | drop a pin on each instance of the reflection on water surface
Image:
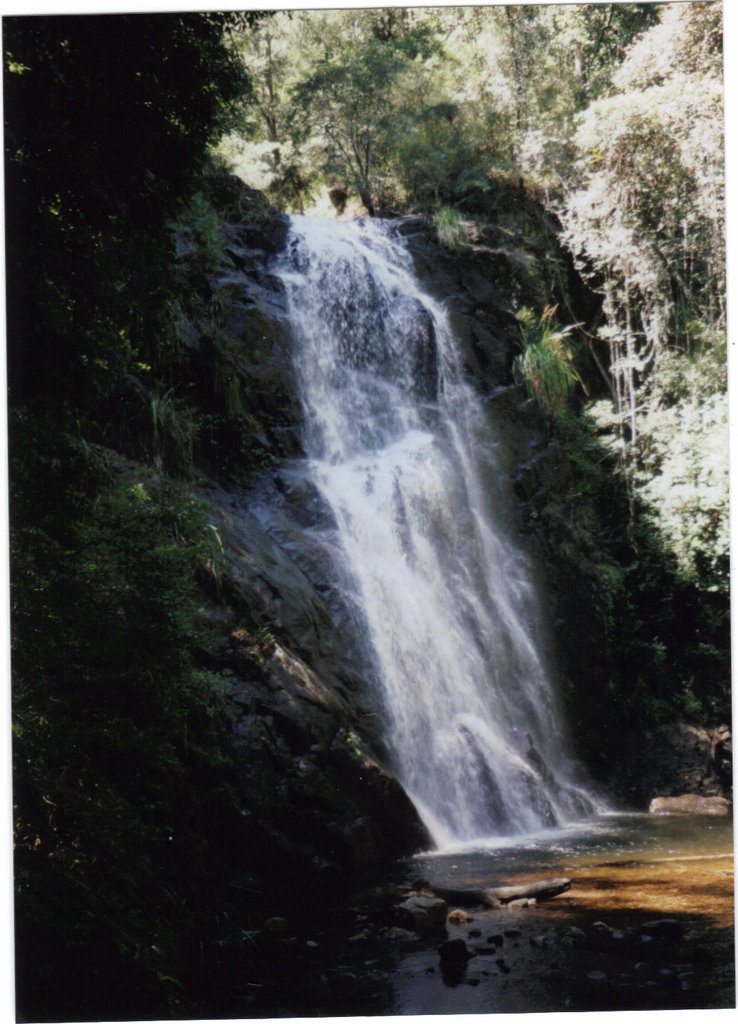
(619, 860)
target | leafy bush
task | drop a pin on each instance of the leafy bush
(438, 156)
(199, 226)
(639, 639)
(683, 470)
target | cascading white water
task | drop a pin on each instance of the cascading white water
(401, 450)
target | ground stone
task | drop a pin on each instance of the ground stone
(454, 952)
(667, 928)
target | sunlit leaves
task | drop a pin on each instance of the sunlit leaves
(648, 219)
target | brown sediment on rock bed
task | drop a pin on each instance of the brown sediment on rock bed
(701, 887)
(629, 935)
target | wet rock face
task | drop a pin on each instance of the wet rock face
(479, 307)
(313, 798)
(255, 317)
(316, 800)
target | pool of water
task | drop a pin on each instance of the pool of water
(582, 950)
(632, 845)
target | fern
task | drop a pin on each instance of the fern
(450, 228)
(546, 363)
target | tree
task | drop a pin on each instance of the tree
(84, 202)
(348, 100)
(647, 221)
(648, 217)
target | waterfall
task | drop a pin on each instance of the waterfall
(401, 450)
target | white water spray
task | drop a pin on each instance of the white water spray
(401, 450)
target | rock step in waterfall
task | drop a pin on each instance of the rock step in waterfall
(400, 449)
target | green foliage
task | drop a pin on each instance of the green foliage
(118, 736)
(647, 215)
(415, 106)
(198, 223)
(450, 228)
(639, 639)
(87, 236)
(546, 363)
(439, 153)
(348, 100)
(682, 474)
(174, 428)
(647, 222)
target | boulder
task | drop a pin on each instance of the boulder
(397, 934)
(338, 196)
(690, 803)
(423, 913)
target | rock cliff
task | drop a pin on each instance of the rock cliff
(313, 782)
